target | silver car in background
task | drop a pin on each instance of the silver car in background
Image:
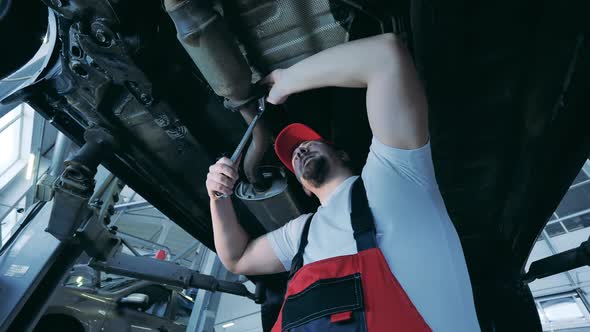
(89, 301)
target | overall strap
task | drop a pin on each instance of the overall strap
(297, 261)
(361, 217)
(362, 225)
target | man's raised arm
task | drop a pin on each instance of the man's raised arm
(238, 253)
(396, 103)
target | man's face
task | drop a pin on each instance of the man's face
(312, 162)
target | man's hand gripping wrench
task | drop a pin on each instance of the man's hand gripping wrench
(236, 155)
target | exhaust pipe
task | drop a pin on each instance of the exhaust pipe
(204, 35)
(258, 145)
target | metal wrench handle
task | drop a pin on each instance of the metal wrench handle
(240, 148)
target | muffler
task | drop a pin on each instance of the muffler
(273, 207)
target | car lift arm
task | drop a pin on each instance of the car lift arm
(168, 273)
(79, 219)
(558, 263)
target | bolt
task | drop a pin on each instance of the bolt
(97, 202)
(100, 35)
(145, 98)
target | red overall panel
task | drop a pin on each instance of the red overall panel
(385, 306)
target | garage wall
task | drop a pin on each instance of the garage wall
(242, 312)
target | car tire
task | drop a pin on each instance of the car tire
(58, 323)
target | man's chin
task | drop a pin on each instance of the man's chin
(315, 172)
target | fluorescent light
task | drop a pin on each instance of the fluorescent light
(30, 165)
(226, 325)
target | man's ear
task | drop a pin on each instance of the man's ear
(344, 156)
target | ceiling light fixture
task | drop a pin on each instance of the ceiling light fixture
(30, 165)
(226, 325)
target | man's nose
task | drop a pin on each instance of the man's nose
(300, 152)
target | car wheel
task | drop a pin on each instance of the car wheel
(58, 323)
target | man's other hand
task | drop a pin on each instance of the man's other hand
(221, 178)
(276, 81)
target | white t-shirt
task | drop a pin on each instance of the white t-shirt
(414, 233)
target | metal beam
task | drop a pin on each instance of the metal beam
(62, 145)
(164, 232)
(147, 243)
(579, 184)
(131, 205)
(199, 256)
(186, 252)
(130, 247)
(36, 144)
(569, 216)
(151, 216)
(561, 290)
(15, 119)
(118, 215)
(102, 187)
(586, 168)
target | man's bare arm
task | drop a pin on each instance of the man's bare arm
(237, 252)
(396, 103)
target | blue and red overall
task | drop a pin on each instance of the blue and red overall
(348, 293)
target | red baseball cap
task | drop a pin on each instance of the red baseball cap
(289, 139)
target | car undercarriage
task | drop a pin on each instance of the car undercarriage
(174, 83)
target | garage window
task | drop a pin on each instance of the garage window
(562, 311)
(578, 222)
(10, 138)
(15, 140)
(554, 229)
(567, 224)
(575, 200)
(581, 179)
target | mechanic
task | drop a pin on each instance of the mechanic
(413, 274)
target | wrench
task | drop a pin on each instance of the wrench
(238, 151)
